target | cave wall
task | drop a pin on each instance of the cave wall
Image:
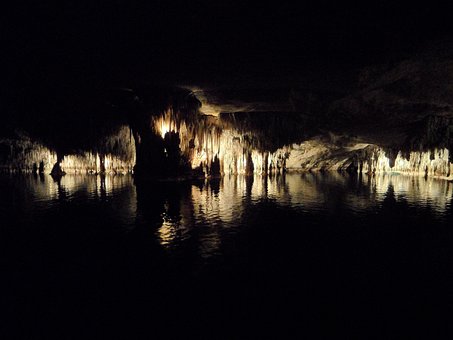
(165, 134)
(114, 155)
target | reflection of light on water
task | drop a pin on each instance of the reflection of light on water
(95, 186)
(223, 205)
(208, 212)
(167, 232)
(176, 222)
(318, 191)
(42, 193)
(415, 190)
(216, 208)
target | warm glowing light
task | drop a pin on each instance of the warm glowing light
(34, 155)
(210, 110)
(433, 163)
(167, 232)
(165, 123)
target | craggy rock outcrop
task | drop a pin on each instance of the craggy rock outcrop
(406, 106)
(320, 155)
(399, 118)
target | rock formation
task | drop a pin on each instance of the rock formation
(398, 118)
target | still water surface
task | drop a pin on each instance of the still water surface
(237, 257)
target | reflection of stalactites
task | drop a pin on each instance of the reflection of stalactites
(389, 197)
(102, 186)
(62, 194)
(167, 232)
(415, 190)
(174, 217)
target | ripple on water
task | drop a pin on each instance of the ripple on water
(206, 213)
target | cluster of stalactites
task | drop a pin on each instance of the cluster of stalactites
(167, 121)
(215, 150)
(116, 155)
(90, 163)
(42, 159)
(25, 155)
(431, 163)
(225, 150)
(218, 151)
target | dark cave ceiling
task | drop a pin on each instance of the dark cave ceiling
(238, 56)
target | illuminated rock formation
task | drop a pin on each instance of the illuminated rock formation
(319, 155)
(23, 154)
(207, 146)
(167, 133)
(178, 143)
(115, 154)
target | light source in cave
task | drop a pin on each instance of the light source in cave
(167, 122)
(208, 144)
(164, 127)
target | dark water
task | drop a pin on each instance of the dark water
(324, 255)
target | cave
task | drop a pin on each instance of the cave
(226, 170)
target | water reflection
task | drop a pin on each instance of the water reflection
(202, 215)
(207, 212)
(416, 190)
(334, 190)
(28, 196)
(69, 186)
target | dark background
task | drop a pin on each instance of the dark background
(207, 41)
(56, 56)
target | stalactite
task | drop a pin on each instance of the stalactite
(207, 143)
(174, 142)
(432, 163)
(25, 155)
